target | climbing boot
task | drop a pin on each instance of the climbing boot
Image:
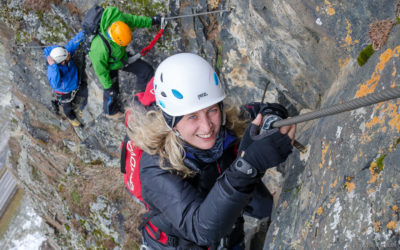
(117, 116)
(75, 122)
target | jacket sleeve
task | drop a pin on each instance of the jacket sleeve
(99, 56)
(74, 43)
(137, 21)
(47, 50)
(200, 220)
(54, 76)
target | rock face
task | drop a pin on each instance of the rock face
(343, 193)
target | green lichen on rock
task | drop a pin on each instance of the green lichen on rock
(55, 29)
(298, 188)
(137, 7)
(98, 161)
(60, 187)
(6, 15)
(35, 173)
(365, 54)
(67, 228)
(76, 197)
(219, 56)
(379, 162)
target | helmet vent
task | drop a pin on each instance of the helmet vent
(176, 93)
(155, 86)
(216, 79)
(161, 77)
(163, 94)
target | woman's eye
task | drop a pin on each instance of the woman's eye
(192, 117)
(212, 110)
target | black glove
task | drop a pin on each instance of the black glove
(257, 153)
(250, 110)
(265, 150)
(242, 176)
(156, 20)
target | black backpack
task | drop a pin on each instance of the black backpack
(90, 25)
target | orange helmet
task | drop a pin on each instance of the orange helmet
(120, 33)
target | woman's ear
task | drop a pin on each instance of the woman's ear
(176, 132)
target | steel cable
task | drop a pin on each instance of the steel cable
(370, 99)
(197, 14)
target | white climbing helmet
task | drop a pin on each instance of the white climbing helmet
(59, 54)
(185, 83)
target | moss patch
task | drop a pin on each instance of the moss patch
(365, 54)
(76, 197)
(379, 163)
(137, 7)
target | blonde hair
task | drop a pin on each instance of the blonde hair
(149, 131)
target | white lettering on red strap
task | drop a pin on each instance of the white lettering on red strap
(132, 165)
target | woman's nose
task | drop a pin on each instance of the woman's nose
(205, 123)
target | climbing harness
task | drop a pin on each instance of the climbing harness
(385, 95)
(73, 94)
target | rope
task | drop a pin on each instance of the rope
(385, 95)
(146, 50)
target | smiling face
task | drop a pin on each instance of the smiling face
(200, 129)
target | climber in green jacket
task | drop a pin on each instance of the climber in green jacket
(116, 30)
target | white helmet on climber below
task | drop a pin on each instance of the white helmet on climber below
(59, 54)
(185, 83)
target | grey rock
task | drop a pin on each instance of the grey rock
(342, 193)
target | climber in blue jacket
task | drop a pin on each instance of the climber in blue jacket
(63, 74)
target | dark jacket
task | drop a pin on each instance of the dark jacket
(199, 210)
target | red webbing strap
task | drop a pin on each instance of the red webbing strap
(154, 232)
(146, 50)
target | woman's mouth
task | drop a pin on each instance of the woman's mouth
(205, 136)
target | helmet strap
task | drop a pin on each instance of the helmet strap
(176, 132)
(108, 34)
(170, 120)
(223, 114)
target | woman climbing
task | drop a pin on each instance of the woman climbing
(197, 177)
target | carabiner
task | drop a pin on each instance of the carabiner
(163, 22)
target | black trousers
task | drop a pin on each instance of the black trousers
(143, 71)
(66, 102)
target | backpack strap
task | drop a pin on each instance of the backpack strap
(156, 233)
(108, 46)
(123, 154)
